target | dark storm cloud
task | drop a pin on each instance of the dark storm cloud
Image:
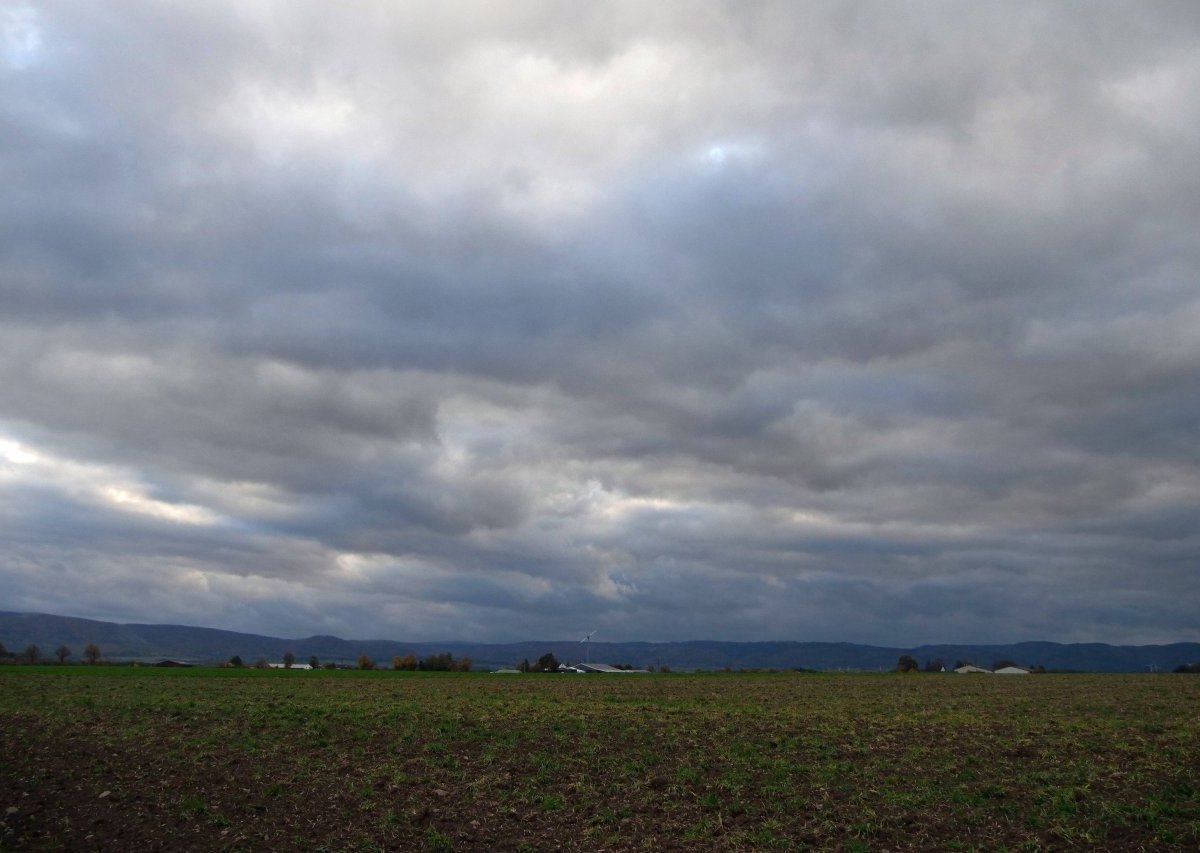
(690, 320)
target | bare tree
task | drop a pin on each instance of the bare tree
(91, 653)
(62, 653)
(288, 659)
(365, 662)
(32, 654)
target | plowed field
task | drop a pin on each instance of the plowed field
(124, 759)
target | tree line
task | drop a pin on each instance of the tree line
(32, 654)
(444, 662)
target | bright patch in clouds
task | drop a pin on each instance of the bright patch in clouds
(17, 454)
(101, 484)
(20, 37)
(283, 124)
(732, 152)
(131, 501)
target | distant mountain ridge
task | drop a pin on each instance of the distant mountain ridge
(201, 645)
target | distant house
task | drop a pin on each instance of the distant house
(970, 668)
(1012, 670)
(506, 671)
(285, 666)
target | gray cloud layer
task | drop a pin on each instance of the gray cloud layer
(686, 320)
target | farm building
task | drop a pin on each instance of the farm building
(1012, 670)
(579, 668)
(971, 668)
(604, 667)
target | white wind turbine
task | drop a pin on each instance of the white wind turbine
(587, 646)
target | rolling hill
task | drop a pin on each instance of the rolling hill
(144, 642)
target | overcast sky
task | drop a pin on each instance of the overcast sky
(848, 321)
